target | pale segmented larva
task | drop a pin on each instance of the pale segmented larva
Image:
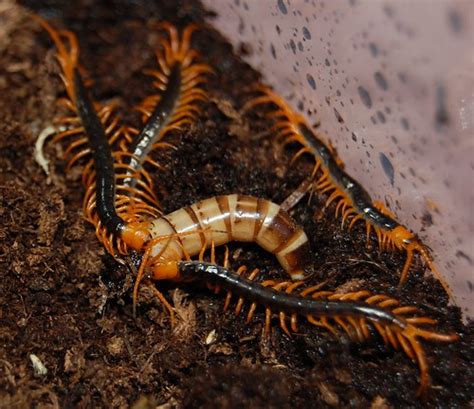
(221, 219)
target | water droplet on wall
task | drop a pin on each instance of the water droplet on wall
(387, 167)
(282, 6)
(373, 49)
(381, 81)
(311, 81)
(306, 33)
(365, 97)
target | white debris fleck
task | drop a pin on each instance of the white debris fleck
(211, 337)
(45, 134)
(38, 366)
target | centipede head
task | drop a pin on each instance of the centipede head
(415, 245)
(400, 237)
(165, 271)
(135, 235)
(404, 239)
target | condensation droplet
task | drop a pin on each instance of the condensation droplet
(293, 46)
(381, 117)
(441, 115)
(374, 50)
(306, 33)
(405, 124)
(338, 116)
(387, 167)
(282, 7)
(365, 96)
(455, 21)
(381, 81)
(311, 81)
(273, 51)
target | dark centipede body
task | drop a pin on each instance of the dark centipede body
(95, 136)
(361, 199)
(349, 312)
(281, 301)
(143, 143)
(102, 157)
(178, 79)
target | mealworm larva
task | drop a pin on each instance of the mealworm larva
(221, 219)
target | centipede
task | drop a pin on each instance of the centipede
(93, 128)
(121, 204)
(352, 313)
(352, 201)
(178, 79)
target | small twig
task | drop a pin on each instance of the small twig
(295, 197)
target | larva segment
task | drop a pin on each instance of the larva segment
(179, 79)
(352, 202)
(95, 128)
(355, 314)
(221, 219)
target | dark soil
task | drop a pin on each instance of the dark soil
(64, 300)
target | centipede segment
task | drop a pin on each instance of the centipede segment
(359, 314)
(94, 129)
(179, 80)
(352, 202)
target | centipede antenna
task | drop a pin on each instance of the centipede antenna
(140, 274)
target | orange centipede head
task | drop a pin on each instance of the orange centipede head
(408, 241)
(402, 237)
(135, 235)
(165, 271)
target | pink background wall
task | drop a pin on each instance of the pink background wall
(392, 83)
